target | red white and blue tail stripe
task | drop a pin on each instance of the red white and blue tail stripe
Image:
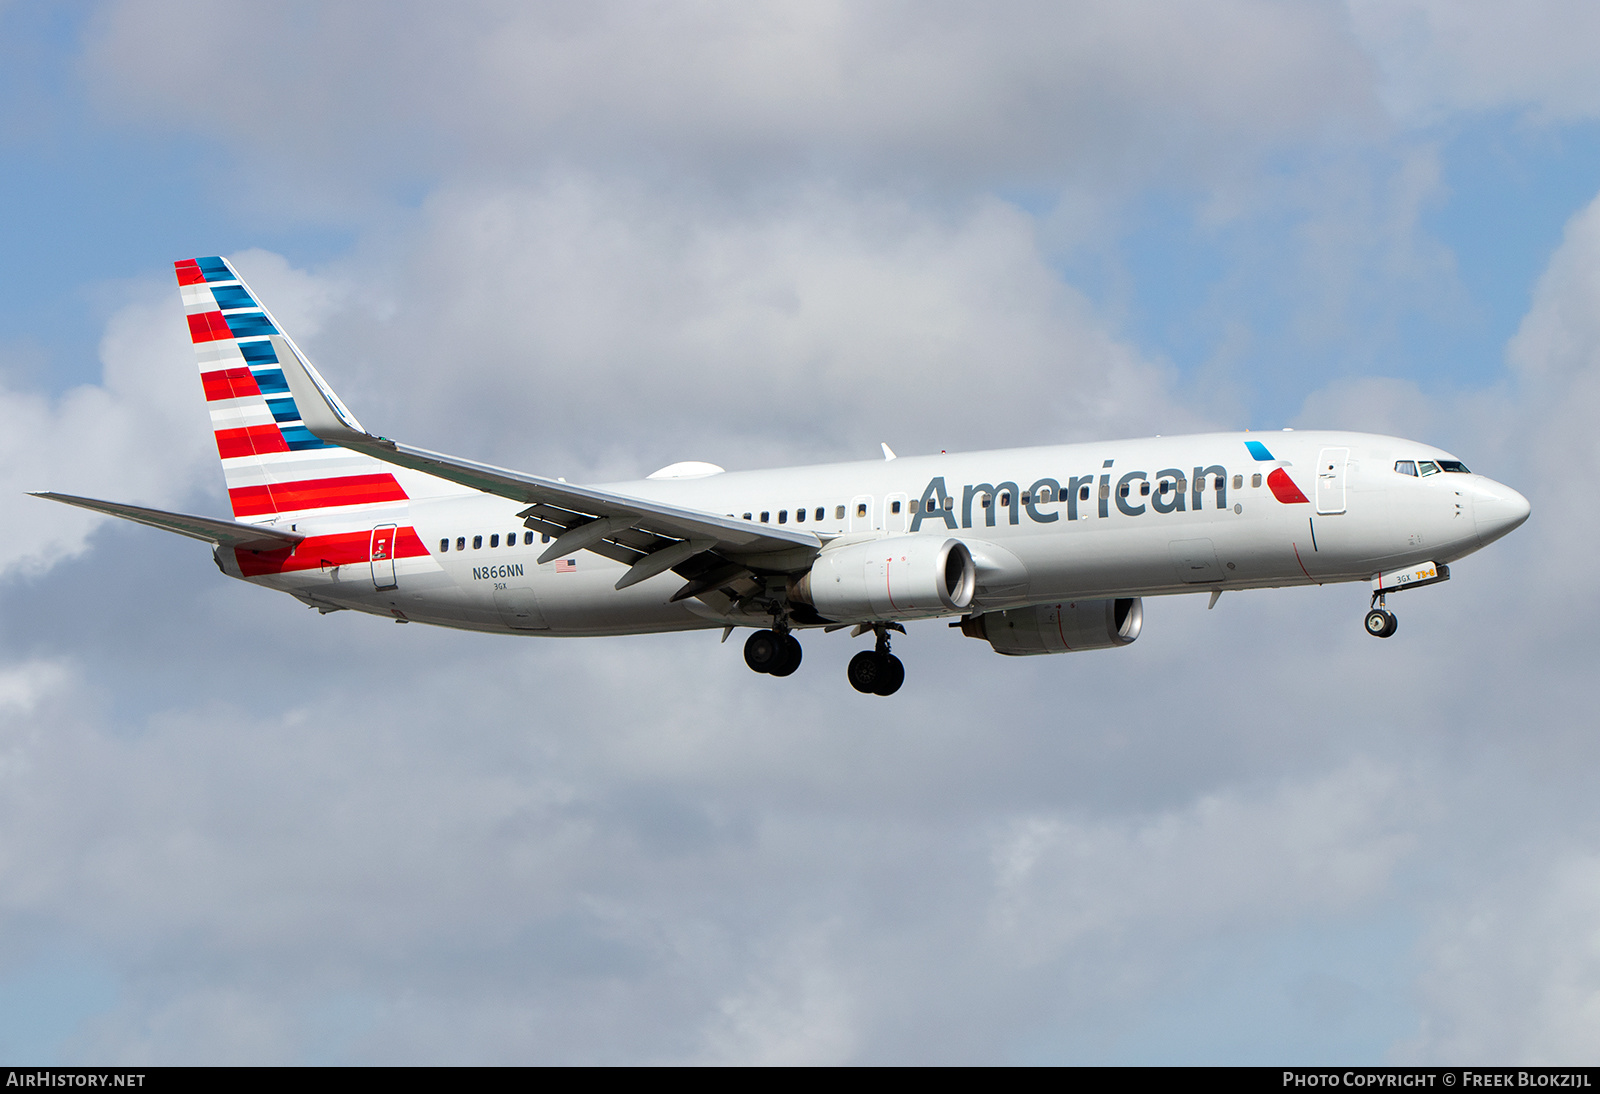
(273, 464)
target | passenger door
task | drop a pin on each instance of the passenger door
(381, 555)
(1330, 480)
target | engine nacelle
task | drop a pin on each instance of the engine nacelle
(896, 577)
(1059, 628)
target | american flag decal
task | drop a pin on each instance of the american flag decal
(567, 566)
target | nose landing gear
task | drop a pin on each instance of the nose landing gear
(877, 671)
(1380, 621)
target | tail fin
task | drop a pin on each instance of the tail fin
(273, 464)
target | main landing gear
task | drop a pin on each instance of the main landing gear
(877, 671)
(777, 652)
(1380, 621)
(774, 652)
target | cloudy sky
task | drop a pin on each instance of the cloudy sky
(590, 240)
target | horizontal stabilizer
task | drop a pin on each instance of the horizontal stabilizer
(227, 533)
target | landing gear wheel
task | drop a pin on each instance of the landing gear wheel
(891, 674)
(1381, 623)
(864, 670)
(791, 655)
(873, 673)
(764, 651)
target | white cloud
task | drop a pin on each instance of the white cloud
(23, 686)
(140, 435)
(1100, 90)
(1556, 358)
(579, 323)
(1514, 972)
(1442, 57)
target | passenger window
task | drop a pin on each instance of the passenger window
(747, 516)
(820, 511)
(544, 537)
(783, 516)
(838, 512)
(527, 539)
(1083, 494)
(984, 501)
(1238, 482)
(1105, 490)
(444, 545)
(949, 504)
(1044, 495)
(1183, 484)
(1144, 489)
(461, 543)
(494, 540)
(861, 509)
(477, 542)
(799, 516)
(511, 539)
(1255, 481)
(766, 516)
(1122, 490)
(894, 507)
(1428, 467)
(1163, 487)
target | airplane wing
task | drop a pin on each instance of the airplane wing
(226, 533)
(647, 536)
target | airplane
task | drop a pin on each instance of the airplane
(1035, 550)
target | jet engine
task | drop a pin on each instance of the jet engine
(897, 577)
(1059, 628)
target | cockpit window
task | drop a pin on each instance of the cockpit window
(1428, 467)
(1406, 467)
(1454, 465)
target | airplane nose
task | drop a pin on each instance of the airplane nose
(1497, 509)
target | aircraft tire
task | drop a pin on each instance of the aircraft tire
(763, 651)
(792, 653)
(1381, 624)
(863, 672)
(892, 673)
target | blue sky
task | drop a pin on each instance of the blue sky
(593, 242)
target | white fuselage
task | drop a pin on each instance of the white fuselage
(1112, 519)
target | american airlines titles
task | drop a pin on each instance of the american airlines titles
(1170, 490)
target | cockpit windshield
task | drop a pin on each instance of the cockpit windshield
(1430, 467)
